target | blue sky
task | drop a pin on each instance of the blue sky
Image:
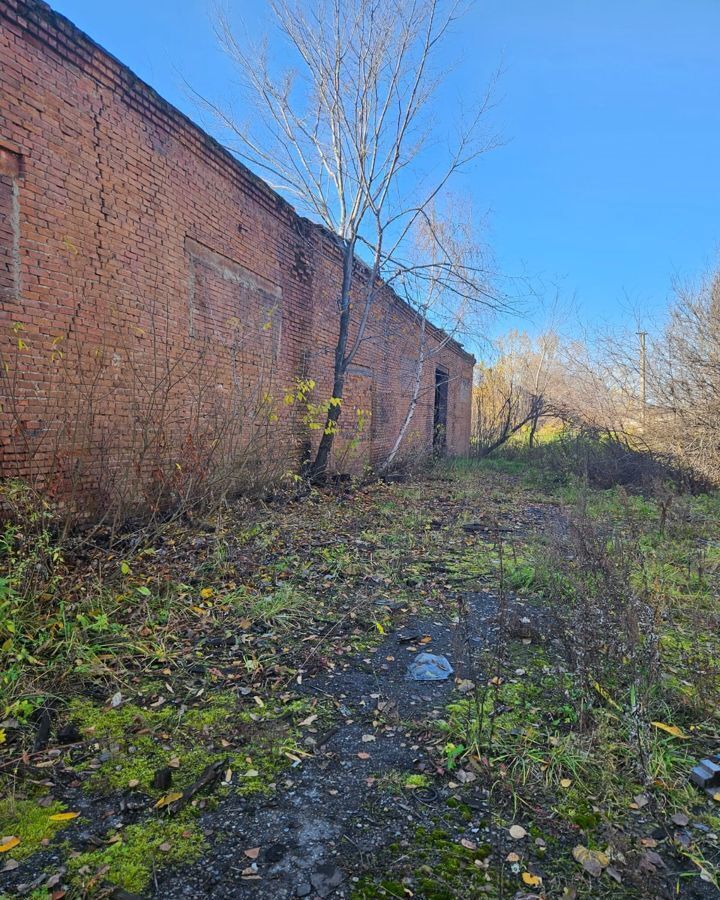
(608, 180)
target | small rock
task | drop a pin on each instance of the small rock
(325, 879)
(275, 853)
(303, 890)
(162, 779)
(68, 734)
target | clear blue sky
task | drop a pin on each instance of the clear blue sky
(609, 178)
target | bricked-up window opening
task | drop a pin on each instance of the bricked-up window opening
(9, 225)
(440, 414)
(231, 306)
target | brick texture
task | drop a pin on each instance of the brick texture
(149, 283)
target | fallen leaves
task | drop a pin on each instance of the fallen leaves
(252, 852)
(116, 700)
(673, 730)
(64, 816)
(593, 861)
(8, 843)
(167, 799)
(531, 880)
(517, 832)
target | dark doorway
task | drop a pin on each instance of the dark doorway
(440, 415)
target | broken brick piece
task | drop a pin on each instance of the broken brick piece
(706, 774)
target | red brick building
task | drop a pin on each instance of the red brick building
(152, 287)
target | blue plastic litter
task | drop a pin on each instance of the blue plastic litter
(429, 667)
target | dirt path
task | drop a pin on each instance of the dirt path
(326, 828)
(337, 775)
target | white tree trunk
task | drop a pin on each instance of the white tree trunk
(412, 406)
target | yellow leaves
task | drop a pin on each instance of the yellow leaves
(593, 861)
(8, 844)
(207, 593)
(3, 738)
(64, 816)
(565, 782)
(673, 730)
(606, 697)
(380, 628)
(531, 880)
(172, 797)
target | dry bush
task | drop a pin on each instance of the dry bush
(605, 459)
(142, 430)
(684, 379)
(606, 625)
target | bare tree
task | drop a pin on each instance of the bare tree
(343, 136)
(684, 378)
(501, 408)
(517, 390)
(447, 283)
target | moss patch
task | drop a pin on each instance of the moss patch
(136, 851)
(31, 823)
(261, 740)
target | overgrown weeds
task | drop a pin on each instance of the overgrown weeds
(606, 713)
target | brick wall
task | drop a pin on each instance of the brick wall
(151, 287)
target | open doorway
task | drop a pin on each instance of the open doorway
(440, 414)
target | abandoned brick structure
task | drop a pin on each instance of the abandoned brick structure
(152, 288)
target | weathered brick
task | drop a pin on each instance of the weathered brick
(130, 233)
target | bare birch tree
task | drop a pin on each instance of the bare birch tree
(447, 283)
(344, 135)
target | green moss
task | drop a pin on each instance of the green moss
(434, 865)
(139, 849)
(118, 725)
(141, 741)
(31, 823)
(417, 781)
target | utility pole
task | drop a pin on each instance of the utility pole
(643, 374)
